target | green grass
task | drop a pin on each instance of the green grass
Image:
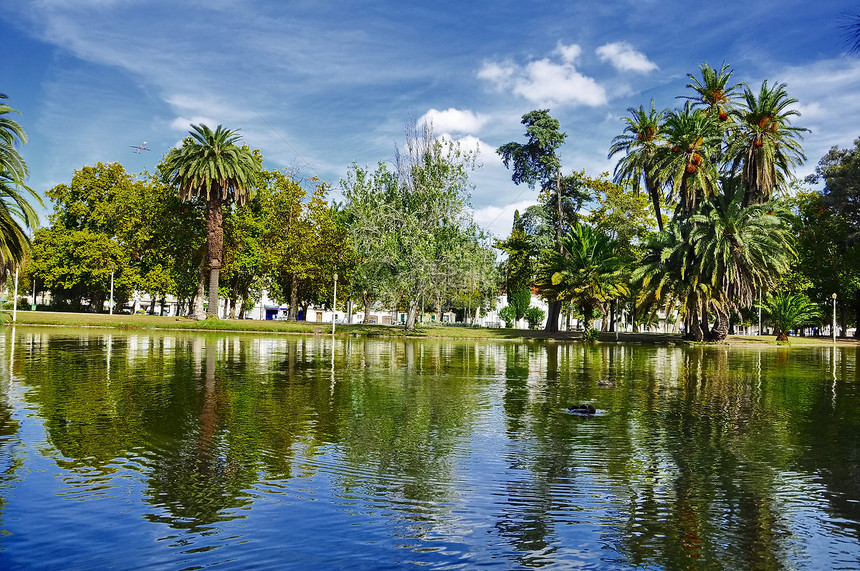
(154, 322)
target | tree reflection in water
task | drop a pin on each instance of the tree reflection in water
(698, 456)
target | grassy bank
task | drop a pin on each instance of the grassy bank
(154, 322)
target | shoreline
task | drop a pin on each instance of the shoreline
(158, 323)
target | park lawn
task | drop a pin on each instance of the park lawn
(155, 322)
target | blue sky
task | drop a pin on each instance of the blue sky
(319, 85)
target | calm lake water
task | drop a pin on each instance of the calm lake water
(173, 451)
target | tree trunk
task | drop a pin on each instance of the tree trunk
(411, 311)
(857, 313)
(721, 325)
(214, 246)
(197, 306)
(365, 300)
(294, 300)
(552, 317)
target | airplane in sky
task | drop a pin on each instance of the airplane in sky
(140, 147)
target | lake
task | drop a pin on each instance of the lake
(124, 450)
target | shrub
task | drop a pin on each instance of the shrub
(534, 317)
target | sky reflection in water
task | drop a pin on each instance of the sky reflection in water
(182, 451)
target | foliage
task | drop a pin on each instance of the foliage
(410, 229)
(534, 317)
(589, 273)
(789, 311)
(509, 315)
(211, 166)
(16, 213)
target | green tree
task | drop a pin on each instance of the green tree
(743, 251)
(590, 272)
(16, 213)
(519, 266)
(86, 241)
(789, 311)
(535, 162)
(210, 164)
(831, 230)
(401, 222)
(640, 142)
(764, 147)
(534, 316)
(693, 138)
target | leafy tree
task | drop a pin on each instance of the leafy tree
(75, 257)
(789, 311)
(831, 230)
(402, 222)
(210, 164)
(519, 266)
(305, 245)
(534, 162)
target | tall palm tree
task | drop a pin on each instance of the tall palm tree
(640, 141)
(687, 160)
(591, 273)
(713, 93)
(210, 164)
(740, 251)
(765, 147)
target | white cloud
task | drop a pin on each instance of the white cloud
(546, 81)
(623, 57)
(454, 120)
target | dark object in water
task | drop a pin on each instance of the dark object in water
(582, 409)
(606, 383)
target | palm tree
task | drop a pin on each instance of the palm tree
(686, 162)
(590, 274)
(640, 141)
(713, 92)
(789, 311)
(16, 213)
(11, 135)
(670, 275)
(765, 147)
(740, 251)
(210, 165)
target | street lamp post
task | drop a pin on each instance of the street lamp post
(334, 306)
(110, 307)
(834, 317)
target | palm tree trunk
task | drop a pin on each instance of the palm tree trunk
(214, 246)
(654, 191)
